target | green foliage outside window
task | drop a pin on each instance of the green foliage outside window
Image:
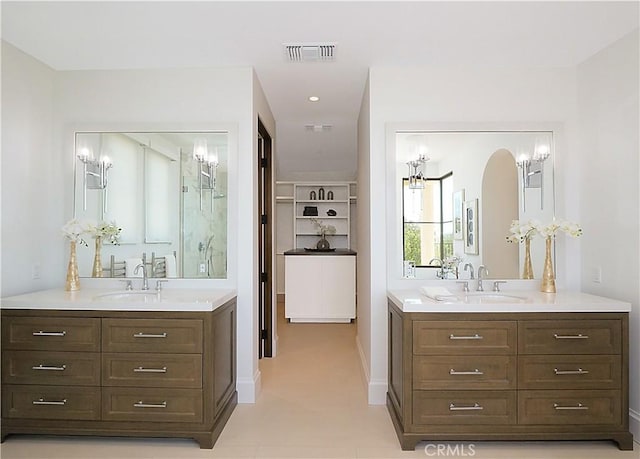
(412, 249)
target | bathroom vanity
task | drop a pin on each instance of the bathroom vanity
(119, 363)
(534, 367)
(320, 286)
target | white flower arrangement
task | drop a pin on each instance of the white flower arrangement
(550, 229)
(521, 232)
(323, 229)
(76, 228)
(108, 231)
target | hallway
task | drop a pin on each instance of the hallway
(312, 405)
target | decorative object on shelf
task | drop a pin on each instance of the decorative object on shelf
(330, 195)
(321, 194)
(471, 227)
(312, 195)
(416, 175)
(323, 230)
(331, 213)
(524, 233)
(74, 230)
(310, 211)
(108, 232)
(532, 167)
(549, 231)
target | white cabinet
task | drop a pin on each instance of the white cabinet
(320, 288)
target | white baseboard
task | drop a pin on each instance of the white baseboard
(634, 425)
(376, 389)
(249, 388)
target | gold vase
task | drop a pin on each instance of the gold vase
(527, 271)
(73, 280)
(97, 260)
(548, 278)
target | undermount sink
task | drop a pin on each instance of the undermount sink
(491, 297)
(138, 296)
(482, 298)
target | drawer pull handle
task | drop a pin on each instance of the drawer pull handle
(476, 336)
(150, 370)
(579, 406)
(45, 333)
(578, 336)
(474, 372)
(42, 401)
(474, 407)
(140, 404)
(49, 367)
(579, 371)
(150, 335)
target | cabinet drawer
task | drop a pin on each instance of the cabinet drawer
(151, 405)
(464, 372)
(570, 336)
(57, 368)
(464, 407)
(464, 337)
(45, 333)
(152, 370)
(570, 407)
(51, 402)
(569, 372)
(180, 336)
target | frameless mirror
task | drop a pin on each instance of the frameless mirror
(461, 198)
(166, 191)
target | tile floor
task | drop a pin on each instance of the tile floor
(312, 405)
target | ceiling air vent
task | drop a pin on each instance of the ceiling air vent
(318, 127)
(309, 52)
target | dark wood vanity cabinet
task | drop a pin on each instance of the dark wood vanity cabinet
(508, 376)
(117, 373)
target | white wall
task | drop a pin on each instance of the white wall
(608, 187)
(443, 95)
(31, 170)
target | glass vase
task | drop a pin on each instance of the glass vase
(73, 280)
(548, 278)
(97, 259)
(527, 270)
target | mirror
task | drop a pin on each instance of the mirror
(166, 191)
(497, 177)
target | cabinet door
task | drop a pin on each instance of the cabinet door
(339, 287)
(303, 286)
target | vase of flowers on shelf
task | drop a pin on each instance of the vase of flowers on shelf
(74, 230)
(323, 230)
(523, 233)
(548, 232)
(103, 232)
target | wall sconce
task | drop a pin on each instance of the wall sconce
(208, 168)
(94, 174)
(416, 175)
(532, 170)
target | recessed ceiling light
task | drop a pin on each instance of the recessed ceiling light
(314, 98)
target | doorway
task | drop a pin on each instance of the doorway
(265, 232)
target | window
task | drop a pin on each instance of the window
(427, 219)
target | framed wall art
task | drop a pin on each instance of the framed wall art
(458, 221)
(471, 227)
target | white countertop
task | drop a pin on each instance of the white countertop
(184, 300)
(512, 301)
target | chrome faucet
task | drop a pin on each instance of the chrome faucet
(482, 269)
(470, 266)
(439, 275)
(145, 281)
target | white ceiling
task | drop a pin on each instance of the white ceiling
(117, 35)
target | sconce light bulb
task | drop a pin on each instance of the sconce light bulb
(106, 161)
(200, 150)
(84, 153)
